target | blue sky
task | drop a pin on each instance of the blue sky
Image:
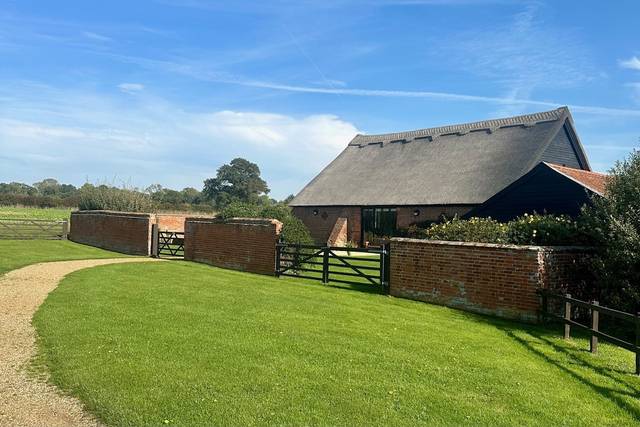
(166, 91)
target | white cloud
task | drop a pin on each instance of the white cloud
(130, 87)
(96, 36)
(315, 133)
(632, 63)
(74, 136)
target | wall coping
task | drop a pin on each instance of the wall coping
(113, 213)
(494, 245)
(236, 221)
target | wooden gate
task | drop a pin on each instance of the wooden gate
(32, 229)
(355, 266)
(167, 243)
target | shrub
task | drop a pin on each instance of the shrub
(293, 230)
(547, 230)
(105, 197)
(615, 221)
(484, 230)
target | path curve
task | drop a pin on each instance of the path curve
(25, 401)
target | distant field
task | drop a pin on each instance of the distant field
(34, 213)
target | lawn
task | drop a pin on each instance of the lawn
(13, 212)
(180, 343)
(18, 253)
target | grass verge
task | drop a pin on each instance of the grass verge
(185, 344)
(19, 253)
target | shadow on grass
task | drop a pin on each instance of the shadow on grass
(572, 361)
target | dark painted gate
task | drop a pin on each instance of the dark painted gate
(354, 266)
(167, 243)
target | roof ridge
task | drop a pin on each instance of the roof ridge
(490, 125)
(556, 165)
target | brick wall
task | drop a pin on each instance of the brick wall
(492, 279)
(239, 244)
(170, 222)
(117, 231)
(321, 225)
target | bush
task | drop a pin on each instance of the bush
(105, 197)
(484, 230)
(547, 230)
(293, 230)
(615, 221)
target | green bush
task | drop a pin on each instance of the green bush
(105, 197)
(615, 222)
(484, 230)
(547, 230)
(293, 230)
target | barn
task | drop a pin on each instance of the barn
(380, 184)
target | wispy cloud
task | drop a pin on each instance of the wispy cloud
(96, 36)
(632, 63)
(98, 136)
(130, 87)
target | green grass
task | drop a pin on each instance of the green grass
(34, 213)
(19, 253)
(185, 344)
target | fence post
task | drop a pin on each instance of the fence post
(154, 240)
(325, 265)
(637, 343)
(278, 251)
(65, 229)
(595, 314)
(567, 316)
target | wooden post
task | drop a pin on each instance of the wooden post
(65, 229)
(154, 240)
(595, 314)
(567, 316)
(637, 343)
(325, 265)
(278, 257)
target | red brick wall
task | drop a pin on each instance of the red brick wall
(117, 231)
(239, 244)
(493, 279)
(321, 225)
(170, 222)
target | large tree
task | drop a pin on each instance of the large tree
(238, 181)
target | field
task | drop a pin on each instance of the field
(34, 213)
(180, 343)
(18, 253)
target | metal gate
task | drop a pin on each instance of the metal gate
(354, 266)
(167, 243)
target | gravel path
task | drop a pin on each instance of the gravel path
(25, 401)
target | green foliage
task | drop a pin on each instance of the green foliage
(293, 230)
(548, 230)
(485, 230)
(239, 181)
(615, 221)
(104, 197)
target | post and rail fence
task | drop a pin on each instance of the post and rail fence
(166, 243)
(33, 229)
(595, 310)
(354, 266)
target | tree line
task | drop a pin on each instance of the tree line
(236, 182)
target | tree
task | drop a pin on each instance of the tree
(238, 181)
(615, 220)
(47, 187)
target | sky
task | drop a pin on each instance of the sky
(166, 91)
